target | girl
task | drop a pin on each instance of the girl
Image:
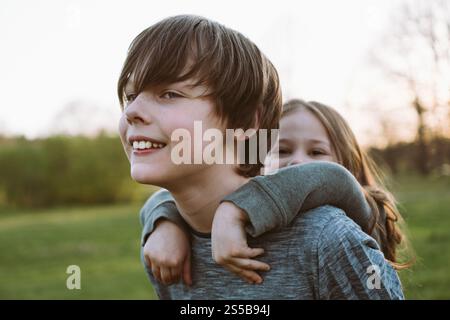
(309, 132)
(313, 131)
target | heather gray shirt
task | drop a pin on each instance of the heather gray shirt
(320, 254)
(272, 201)
(317, 254)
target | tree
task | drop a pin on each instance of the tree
(415, 57)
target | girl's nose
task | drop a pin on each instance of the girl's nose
(299, 158)
(295, 161)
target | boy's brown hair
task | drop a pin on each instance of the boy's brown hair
(242, 82)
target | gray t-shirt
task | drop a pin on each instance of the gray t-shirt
(272, 201)
(320, 254)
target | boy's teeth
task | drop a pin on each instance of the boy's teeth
(146, 145)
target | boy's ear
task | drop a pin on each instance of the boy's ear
(239, 134)
(256, 123)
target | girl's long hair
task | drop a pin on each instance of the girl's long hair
(387, 222)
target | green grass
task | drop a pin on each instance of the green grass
(37, 247)
(425, 205)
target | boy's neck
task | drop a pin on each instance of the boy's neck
(198, 198)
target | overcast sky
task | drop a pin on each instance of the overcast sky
(57, 52)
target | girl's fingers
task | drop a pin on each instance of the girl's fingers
(187, 271)
(254, 252)
(148, 262)
(247, 275)
(248, 252)
(249, 264)
(166, 277)
(156, 273)
(175, 274)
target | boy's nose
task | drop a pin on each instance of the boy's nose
(135, 114)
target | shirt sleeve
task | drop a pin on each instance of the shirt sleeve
(272, 201)
(160, 205)
(351, 266)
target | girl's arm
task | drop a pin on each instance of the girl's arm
(296, 187)
(272, 201)
(166, 245)
(160, 205)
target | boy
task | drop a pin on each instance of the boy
(186, 69)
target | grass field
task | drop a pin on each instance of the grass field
(425, 205)
(37, 247)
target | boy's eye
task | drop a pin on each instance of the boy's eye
(130, 97)
(171, 95)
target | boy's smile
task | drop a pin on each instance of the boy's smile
(181, 71)
(148, 121)
(143, 145)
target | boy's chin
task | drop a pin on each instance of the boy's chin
(146, 175)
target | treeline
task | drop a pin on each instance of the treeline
(64, 170)
(434, 158)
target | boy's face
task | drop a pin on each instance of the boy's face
(303, 139)
(150, 118)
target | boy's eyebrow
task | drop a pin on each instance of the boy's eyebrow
(188, 85)
(129, 86)
(194, 87)
(182, 85)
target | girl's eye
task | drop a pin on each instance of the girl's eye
(283, 152)
(171, 95)
(318, 152)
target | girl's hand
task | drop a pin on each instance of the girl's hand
(167, 253)
(229, 244)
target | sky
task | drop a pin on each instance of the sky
(58, 55)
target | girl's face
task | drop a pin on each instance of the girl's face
(303, 139)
